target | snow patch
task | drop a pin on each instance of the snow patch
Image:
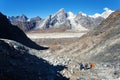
(71, 15)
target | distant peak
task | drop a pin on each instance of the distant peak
(23, 15)
(83, 14)
(61, 10)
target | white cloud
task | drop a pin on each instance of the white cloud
(106, 9)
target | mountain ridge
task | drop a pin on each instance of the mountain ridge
(61, 19)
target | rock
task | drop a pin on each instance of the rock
(21, 65)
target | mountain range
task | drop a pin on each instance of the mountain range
(61, 20)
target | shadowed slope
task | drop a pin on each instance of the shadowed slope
(16, 63)
(8, 31)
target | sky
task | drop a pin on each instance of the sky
(44, 8)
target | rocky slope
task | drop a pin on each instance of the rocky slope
(18, 62)
(103, 42)
(8, 31)
(100, 44)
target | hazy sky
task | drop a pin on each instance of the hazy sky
(43, 8)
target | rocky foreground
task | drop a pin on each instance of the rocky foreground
(18, 62)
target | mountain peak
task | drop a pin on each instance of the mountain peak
(23, 15)
(82, 14)
(61, 10)
(22, 18)
(37, 18)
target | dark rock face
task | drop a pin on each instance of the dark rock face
(9, 31)
(17, 64)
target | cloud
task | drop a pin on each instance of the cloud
(106, 9)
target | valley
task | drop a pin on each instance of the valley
(64, 49)
(100, 46)
(62, 46)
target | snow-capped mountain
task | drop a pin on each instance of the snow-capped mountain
(68, 20)
(74, 25)
(58, 20)
(61, 19)
(87, 21)
(64, 20)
